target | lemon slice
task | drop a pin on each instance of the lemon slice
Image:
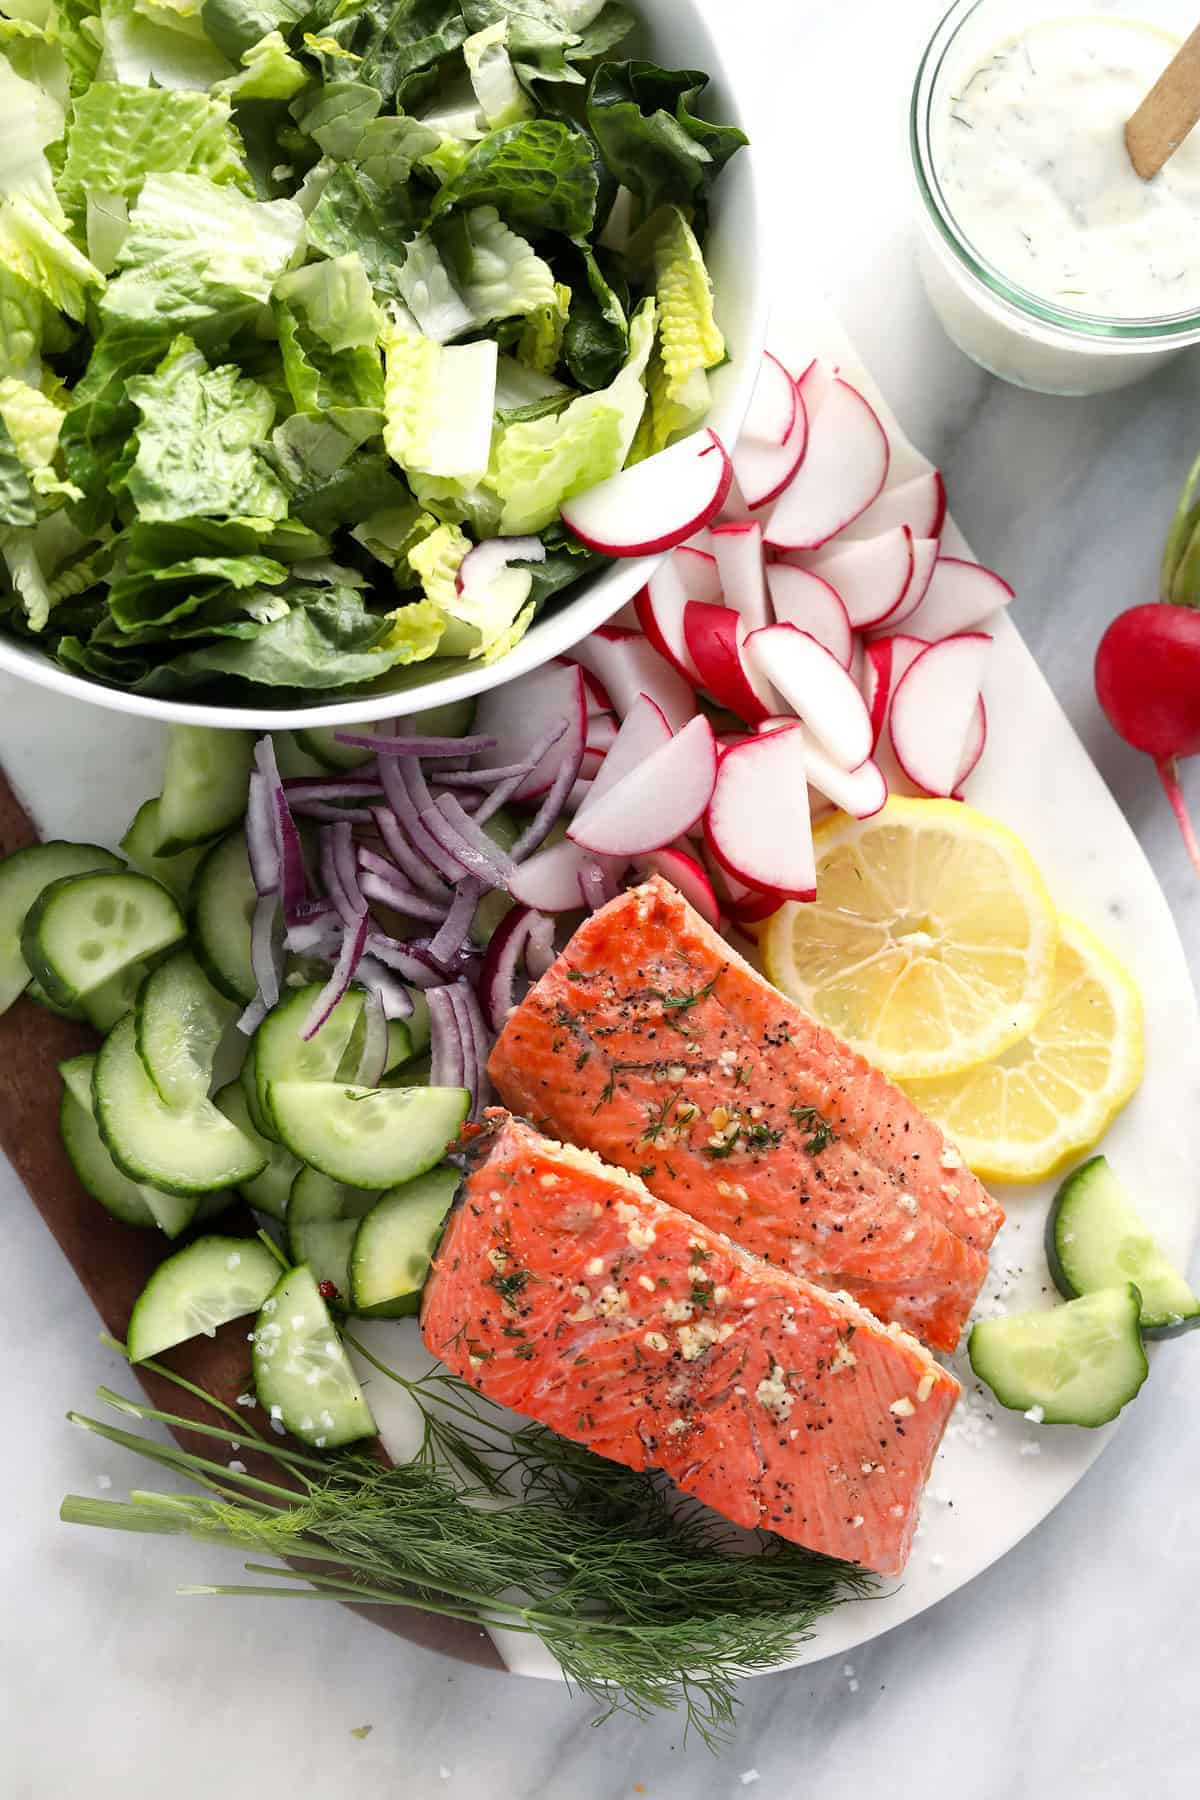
(930, 945)
(1054, 1094)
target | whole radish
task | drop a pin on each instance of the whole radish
(1148, 663)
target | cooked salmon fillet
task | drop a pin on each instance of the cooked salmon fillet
(564, 1290)
(653, 1043)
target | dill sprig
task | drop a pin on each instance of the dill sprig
(633, 1589)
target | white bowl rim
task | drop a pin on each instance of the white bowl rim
(549, 636)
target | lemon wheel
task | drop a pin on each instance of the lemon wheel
(930, 946)
(1053, 1095)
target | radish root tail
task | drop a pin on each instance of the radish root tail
(1168, 772)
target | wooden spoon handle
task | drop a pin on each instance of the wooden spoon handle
(1168, 113)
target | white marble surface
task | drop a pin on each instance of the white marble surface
(1070, 1668)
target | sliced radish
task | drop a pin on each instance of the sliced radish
(733, 508)
(683, 872)
(933, 709)
(716, 638)
(589, 768)
(748, 905)
(772, 412)
(657, 503)
(925, 556)
(601, 730)
(628, 665)
(763, 470)
(656, 802)
(660, 607)
(626, 618)
(871, 577)
(959, 596)
(817, 688)
(876, 684)
(976, 739)
(807, 601)
(598, 700)
(549, 880)
(815, 384)
(862, 792)
(700, 540)
(699, 572)
(578, 794)
(844, 469)
(920, 504)
(643, 731)
(738, 549)
(520, 712)
(758, 823)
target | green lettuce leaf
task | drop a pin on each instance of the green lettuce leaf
(543, 462)
(335, 299)
(37, 252)
(389, 534)
(540, 344)
(161, 596)
(404, 43)
(499, 274)
(539, 174)
(502, 99)
(438, 403)
(596, 339)
(101, 417)
(644, 119)
(428, 290)
(319, 378)
(144, 45)
(200, 442)
(269, 71)
(355, 216)
(17, 506)
(119, 135)
(21, 309)
(366, 484)
(33, 422)
(235, 26)
(548, 38)
(336, 114)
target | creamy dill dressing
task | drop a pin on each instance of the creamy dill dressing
(1030, 155)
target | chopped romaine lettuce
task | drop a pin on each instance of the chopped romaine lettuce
(502, 99)
(438, 403)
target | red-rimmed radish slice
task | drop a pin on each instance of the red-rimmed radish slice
(861, 792)
(700, 540)
(845, 467)
(643, 731)
(814, 385)
(871, 578)
(806, 600)
(716, 638)
(657, 503)
(686, 874)
(626, 618)
(757, 824)
(817, 688)
(549, 880)
(601, 730)
(976, 739)
(920, 504)
(933, 708)
(518, 713)
(589, 768)
(628, 665)
(887, 660)
(747, 905)
(660, 607)
(579, 793)
(598, 699)
(764, 470)
(733, 509)
(699, 572)
(772, 412)
(960, 595)
(656, 802)
(738, 548)
(925, 556)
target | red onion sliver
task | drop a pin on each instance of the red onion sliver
(253, 1016)
(508, 787)
(264, 958)
(539, 827)
(400, 898)
(431, 747)
(325, 787)
(593, 887)
(354, 940)
(446, 1064)
(457, 832)
(455, 927)
(373, 1060)
(498, 976)
(416, 966)
(471, 1019)
(262, 844)
(391, 991)
(408, 798)
(331, 815)
(540, 952)
(346, 863)
(482, 778)
(315, 937)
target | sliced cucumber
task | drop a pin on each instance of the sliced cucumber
(248, 1082)
(180, 1150)
(323, 1217)
(497, 903)
(410, 1074)
(113, 998)
(1079, 1363)
(213, 1204)
(268, 1192)
(96, 1170)
(281, 1054)
(220, 910)
(453, 718)
(198, 1289)
(394, 1245)
(292, 759)
(205, 786)
(40, 997)
(1096, 1239)
(320, 742)
(368, 1137)
(85, 929)
(406, 1038)
(301, 1371)
(23, 877)
(180, 1020)
(140, 845)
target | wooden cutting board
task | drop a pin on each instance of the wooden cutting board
(113, 1260)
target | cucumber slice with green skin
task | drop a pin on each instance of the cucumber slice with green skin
(205, 785)
(395, 1243)
(292, 759)
(179, 1150)
(23, 878)
(1096, 1239)
(220, 910)
(211, 1206)
(140, 845)
(496, 904)
(197, 1290)
(1079, 1363)
(248, 1082)
(268, 1192)
(320, 743)
(410, 1074)
(180, 1020)
(302, 1374)
(281, 1054)
(368, 1137)
(110, 1002)
(125, 1199)
(85, 929)
(323, 1217)
(40, 997)
(453, 718)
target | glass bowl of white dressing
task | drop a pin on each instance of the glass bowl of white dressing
(1049, 261)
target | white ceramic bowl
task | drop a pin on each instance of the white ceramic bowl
(676, 34)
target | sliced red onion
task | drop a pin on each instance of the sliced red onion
(253, 1016)
(339, 872)
(415, 965)
(457, 832)
(431, 748)
(408, 796)
(481, 778)
(456, 926)
(447, 1050)
(354, 940)
(393, 996)
(373, 1060)
(381, 880)
(544, 819)
(409, 861)
(331, 815)
(515, 774)
(315, 937)
(264, 957)
(476, 1044)
(262, 842)
(593, 886)
(540, 952)
(509, 943)
(323, 787)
